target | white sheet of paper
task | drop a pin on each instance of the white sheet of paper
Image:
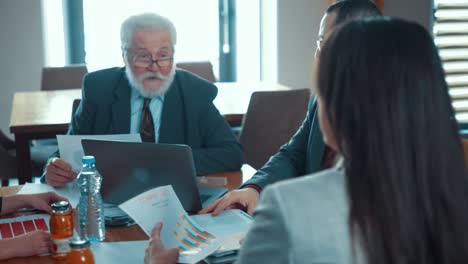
(71, 191)
(71, 150)
(119, 252)
(179, 230)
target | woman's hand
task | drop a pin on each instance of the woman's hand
(155, 252)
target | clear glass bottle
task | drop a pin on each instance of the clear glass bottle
(61, 229)
(90, 207)
(80, 252)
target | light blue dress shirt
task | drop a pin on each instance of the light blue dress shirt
(136, 105)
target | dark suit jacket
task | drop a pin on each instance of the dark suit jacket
(188, 117)
(300, 156)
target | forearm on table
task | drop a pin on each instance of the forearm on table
(9, 248)
(13, 203)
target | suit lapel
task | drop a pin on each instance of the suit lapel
(172, 129)
(121, 106)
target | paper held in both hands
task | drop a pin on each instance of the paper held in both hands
(196, 236)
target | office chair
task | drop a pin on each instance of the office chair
(203, 69)
(61, 78)
(465, 149)
(271, 120)
(39, 156)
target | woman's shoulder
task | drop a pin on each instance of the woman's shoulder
(330, 179)
(314, 208)
(319, 195)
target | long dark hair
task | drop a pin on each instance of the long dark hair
(346, 10)
(385, 95)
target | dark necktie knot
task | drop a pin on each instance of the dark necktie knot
(146, 122)
(146, 102)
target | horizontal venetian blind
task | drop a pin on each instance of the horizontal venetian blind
(451, 37)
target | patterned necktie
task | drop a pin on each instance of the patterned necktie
(146, 122)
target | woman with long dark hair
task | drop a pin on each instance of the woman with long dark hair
(401, 193)
(385, 107)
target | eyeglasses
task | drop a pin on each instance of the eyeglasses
(144, 60)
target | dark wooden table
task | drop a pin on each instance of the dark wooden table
(44, 114)
(132, 233)
(34, 115)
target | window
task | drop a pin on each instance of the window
(197, 23)
(54, 37)
(451, 37)
(197, 32)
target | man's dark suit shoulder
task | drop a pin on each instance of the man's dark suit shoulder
(196, 87)
(103, 82)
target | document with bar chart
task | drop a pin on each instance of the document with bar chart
(13, 227)
(179, 230)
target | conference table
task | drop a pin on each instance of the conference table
(133, 233)
(44, 114)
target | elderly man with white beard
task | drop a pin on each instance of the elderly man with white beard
(151, 97)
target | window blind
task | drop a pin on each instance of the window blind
(451, 37)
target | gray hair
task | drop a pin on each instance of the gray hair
(146, 21)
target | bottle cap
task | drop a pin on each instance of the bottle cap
(78, 243)
(60, 206)
(88, 160)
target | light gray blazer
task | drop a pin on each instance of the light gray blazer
(302, 220)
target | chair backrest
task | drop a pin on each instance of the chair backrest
(465, 149)
(61, 78)
(271, 120)
(6, 142)
(203, 69)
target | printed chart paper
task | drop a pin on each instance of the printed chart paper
(230, 225)
(179, 230)
(13, 227)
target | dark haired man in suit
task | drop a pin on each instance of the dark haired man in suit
(306, 152)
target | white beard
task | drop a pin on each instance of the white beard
(137, 82)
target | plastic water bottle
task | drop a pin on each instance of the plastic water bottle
(90, 207)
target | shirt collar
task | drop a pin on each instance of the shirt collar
(135, 95)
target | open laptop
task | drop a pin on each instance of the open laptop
(131, 168)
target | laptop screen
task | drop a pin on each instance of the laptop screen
(130, 168)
